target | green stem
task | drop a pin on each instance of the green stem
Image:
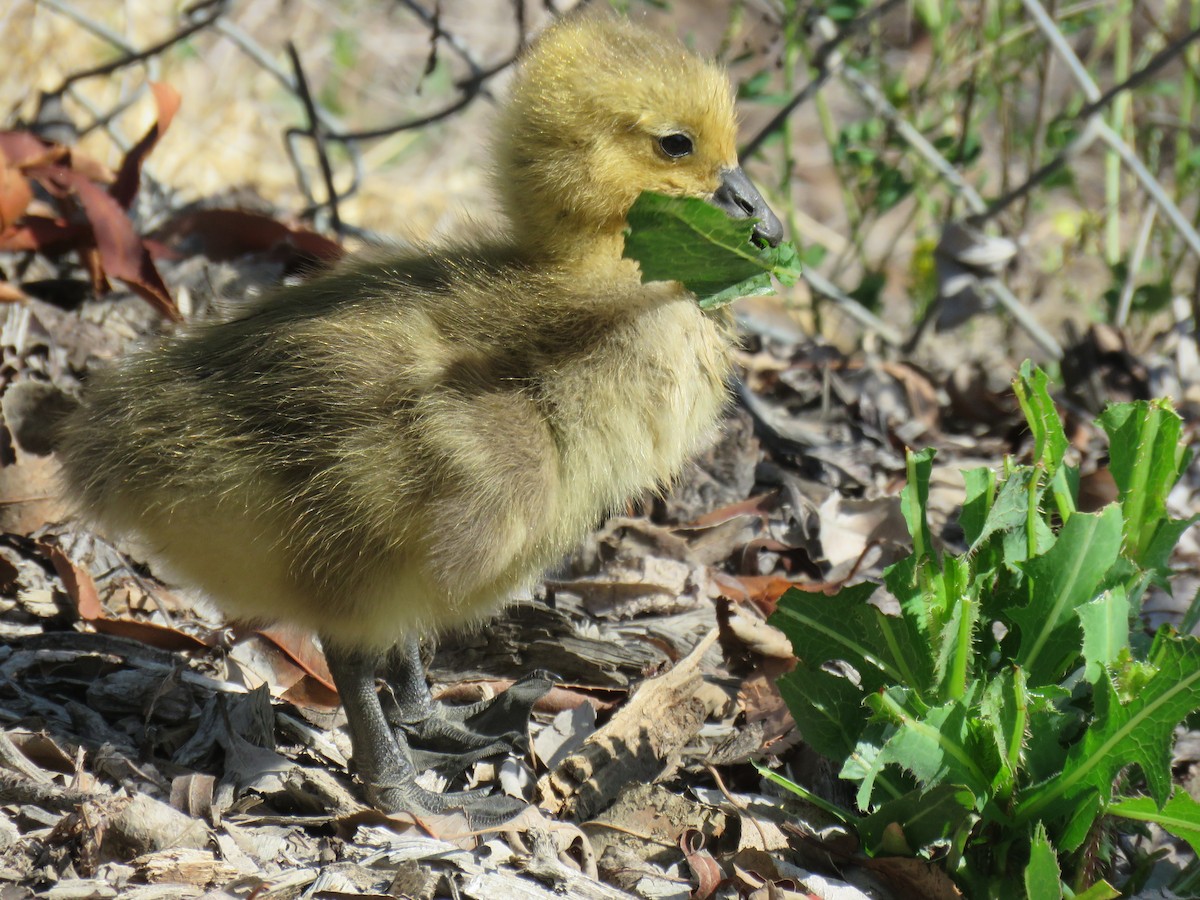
(962, 650)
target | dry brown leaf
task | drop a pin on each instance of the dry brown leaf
(229, 233)
(122, 252)
(43, 234)
(77, 582)
(913, 879)
(15, 195)
(125, 188)
(10, 293)
(193, 794)
(299, 648)
(704, 868)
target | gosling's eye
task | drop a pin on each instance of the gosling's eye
(675, 145)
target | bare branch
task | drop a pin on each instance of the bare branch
(827, 63)
(315, 132)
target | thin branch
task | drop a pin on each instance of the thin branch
(406, 125)
(1143, 74)
(146, 53)
(1089, 115)
(1073, 150)
(1125, 301)
(329, 122)
(318, 138)
(1114, 141)
(452, 41)
(879, 104)
(827, 63)
(851, 307)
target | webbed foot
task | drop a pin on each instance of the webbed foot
(383, 760)
(452, 738)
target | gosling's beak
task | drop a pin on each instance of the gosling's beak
(741, 199)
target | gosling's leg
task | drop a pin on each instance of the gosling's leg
(381, 756)
(450, 738)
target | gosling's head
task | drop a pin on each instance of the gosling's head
(601, 110)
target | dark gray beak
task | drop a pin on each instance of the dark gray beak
(741, 199)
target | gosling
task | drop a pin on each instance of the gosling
(396, 447)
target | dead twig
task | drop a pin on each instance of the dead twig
(136, 56)
(826, 61)
(315, 132)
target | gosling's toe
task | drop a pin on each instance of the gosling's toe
(450, 739)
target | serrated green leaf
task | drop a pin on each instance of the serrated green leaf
(937, 747)
(913, 499)
(1043, 878)
(866, 765)
(1101, 890)
(1105, 623)
(1180, 815)
(981, 493)
(846, 627)
(1065, 577)
(755, 286)
(1120, 734)
(1081, 815)
(954, 619)
(1146, 459)
(687, 240)
(1049, 439)
(1010, 509)
(1052, 720)
(828, 709)
(1004, 711)
(923, 817)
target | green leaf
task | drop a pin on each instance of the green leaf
(953, 630)
(847, 627)
(687, 240)
(1010, 509)
(1004, 711)
(1065, 577)
(1101, 890)
(1180, 815)
(1043, 878)
(936, 747)
(981, 493)
(1105, 622)
(1052, 719)
(923, 817)
(1081, 815)
(913, 499)
(828, 709)
(805, 794)
(1146, 459)
(1136, 732)
(1049, 438)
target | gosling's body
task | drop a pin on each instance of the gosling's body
(393, 448)
(399, 445)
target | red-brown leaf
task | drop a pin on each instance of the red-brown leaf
(15, 195)
(43, 235)
(20, 147)
(164, 637)
(10, 293)
(230, 233)
(123, 254)
(77, 582)
(704, 868)
(125, 188)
